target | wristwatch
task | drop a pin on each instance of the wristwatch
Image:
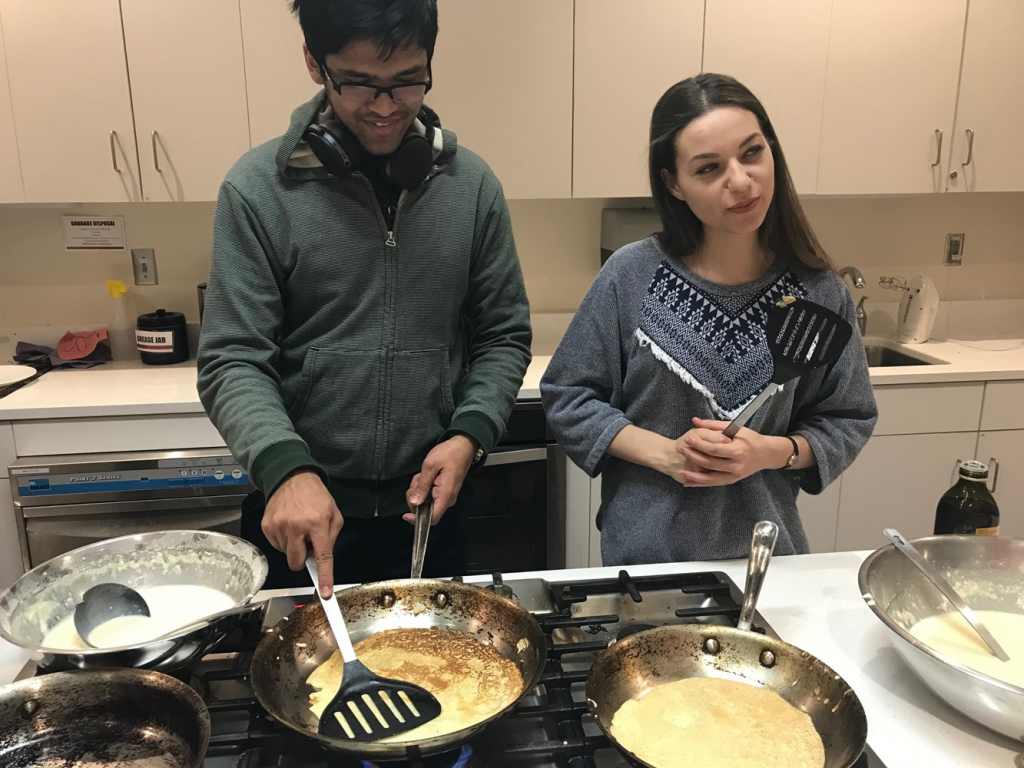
(795, 455)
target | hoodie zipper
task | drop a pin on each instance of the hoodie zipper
(390, 242)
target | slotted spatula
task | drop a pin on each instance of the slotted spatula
(372, 707)
(802, 336)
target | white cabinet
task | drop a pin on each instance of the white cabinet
(276, 79)
(7, 453)
(503, 83)
(890, 95)
(188, 93)
(820, 517)
(1008, 448)
(778, 49)
(11, 188)
(624, 61)
(10, 548)
(1004, 406)
(69, 93)
(907, 409)
(992, 69)
(896, 482)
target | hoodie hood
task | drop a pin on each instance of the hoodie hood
(296, 161)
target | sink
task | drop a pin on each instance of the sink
(884, 357)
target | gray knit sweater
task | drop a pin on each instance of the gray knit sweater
(653, 344)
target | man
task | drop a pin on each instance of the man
(366, 327)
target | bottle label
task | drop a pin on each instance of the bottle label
(993, 531)
(159, 342)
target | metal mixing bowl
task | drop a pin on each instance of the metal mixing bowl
(988, 572)
(48, 593)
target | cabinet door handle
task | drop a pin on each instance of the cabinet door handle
(113, 150)
(156, 159)
(970, 148)
(938, 148)
(994, 463)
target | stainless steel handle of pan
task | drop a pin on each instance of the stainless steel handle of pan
(419, 537)
(761, 547)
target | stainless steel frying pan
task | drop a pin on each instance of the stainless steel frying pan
(634, 665)
(117, 718)
(301, 642)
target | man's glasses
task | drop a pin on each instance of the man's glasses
(364, 93)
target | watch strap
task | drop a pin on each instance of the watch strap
(795, 455)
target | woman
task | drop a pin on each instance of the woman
(669, 345)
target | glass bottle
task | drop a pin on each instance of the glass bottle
(968, 507)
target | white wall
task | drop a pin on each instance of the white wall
(558, 240)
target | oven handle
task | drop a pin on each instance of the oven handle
(516, 457)
(107, 526)
(134, 507)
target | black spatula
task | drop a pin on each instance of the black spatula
(802, 336)
(368, 707)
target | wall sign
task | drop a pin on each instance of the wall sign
(93, 233)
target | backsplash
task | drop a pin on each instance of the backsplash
(558, 240)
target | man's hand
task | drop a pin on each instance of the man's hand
(302, 514)
(441, 475)
(721, 460)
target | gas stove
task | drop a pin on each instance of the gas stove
(550, 728)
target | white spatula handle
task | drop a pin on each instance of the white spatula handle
(333, 611)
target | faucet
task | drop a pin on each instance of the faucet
(857, 279)
(854, 274)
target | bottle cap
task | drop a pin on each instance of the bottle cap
(116, 289)
(974, 470)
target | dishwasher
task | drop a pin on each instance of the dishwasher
(65, 502)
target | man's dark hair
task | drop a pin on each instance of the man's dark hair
(330, 25)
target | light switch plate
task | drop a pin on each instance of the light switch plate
(954, 249)
(144, 266)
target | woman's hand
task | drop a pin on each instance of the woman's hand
(720, 460)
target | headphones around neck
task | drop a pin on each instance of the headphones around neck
(407, 167)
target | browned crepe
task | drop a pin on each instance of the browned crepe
(472, 680)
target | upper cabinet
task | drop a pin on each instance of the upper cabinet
(986, 153)
(778, 49)
(11, 188)
(890, 95)
(503, 82)
(276, 80)
(72, 107)
(627, 56)
(188, 92)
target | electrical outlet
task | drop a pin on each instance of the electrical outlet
(954, 249)
(144, 266)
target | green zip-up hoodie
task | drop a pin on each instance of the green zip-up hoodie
(331, 343)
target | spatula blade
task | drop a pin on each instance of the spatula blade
(803, 336)
(361, 710)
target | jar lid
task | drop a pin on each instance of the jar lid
(161, 319)
(974, 470)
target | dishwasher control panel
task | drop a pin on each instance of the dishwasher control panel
(146, 474)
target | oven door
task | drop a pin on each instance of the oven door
(512, 501)
(47, 532)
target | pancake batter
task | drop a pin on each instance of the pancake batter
(712, 723)
(471, 680)
(170, 606)
(952, 636)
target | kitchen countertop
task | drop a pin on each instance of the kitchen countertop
(813, 602)
(134, 389)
